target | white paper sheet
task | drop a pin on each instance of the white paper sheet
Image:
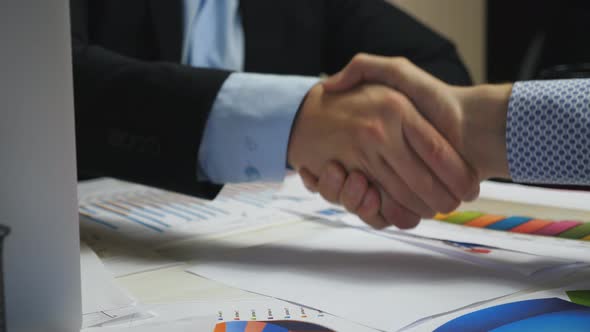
(152, 217)
(511, 199)
(128, 224)
(497, 198)
(294, 198)
(376, 281)
(100, 293)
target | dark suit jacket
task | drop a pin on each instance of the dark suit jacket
(140, 113)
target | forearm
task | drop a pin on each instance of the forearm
(532, 132)
(247, 133)
(141, 121)
(485, 110)
(548, 132)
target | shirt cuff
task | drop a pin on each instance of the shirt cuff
(247, 133)
(548, 132)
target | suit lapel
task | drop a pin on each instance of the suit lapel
(167, 16)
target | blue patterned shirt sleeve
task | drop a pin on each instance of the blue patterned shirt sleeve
(548, 132)
(248, 130)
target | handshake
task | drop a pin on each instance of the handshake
(394, 144)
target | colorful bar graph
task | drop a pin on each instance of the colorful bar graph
(442, 216)
(98, 221)
(485, 220)
(531, 226)
(577, 232)
(269, 326)
(509, 223)
(566, 229)
(557, 228)
(462, 217)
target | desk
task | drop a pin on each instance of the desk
(174, 285)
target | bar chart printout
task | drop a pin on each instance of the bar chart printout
(115, 206)
(565, 229)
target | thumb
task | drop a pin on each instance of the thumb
(362, 68)
(345, 79)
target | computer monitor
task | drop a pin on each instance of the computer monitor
(37, 168)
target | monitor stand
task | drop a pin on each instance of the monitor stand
(37, 168)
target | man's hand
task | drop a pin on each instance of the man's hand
(377, 131)
(472, 119)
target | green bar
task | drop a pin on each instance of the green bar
(463, 217)
(581, 297)
(577, 232)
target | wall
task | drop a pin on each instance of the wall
(463, 21)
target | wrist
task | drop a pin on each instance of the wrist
(297, 143)
(485, 110)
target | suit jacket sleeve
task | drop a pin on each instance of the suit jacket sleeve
(137, 120)
(377, 27)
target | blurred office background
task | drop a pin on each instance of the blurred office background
(507, 40)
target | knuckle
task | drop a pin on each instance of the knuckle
(436, 150)
(399, 62)
(372, 132)
(359, 58)
(392, 101)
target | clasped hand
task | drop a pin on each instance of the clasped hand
(388, 141)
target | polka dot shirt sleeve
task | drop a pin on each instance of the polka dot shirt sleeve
(548, 132)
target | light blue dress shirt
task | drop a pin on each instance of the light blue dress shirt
(248, 130)
(548, 132)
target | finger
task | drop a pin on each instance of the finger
(370, 68)
(396, 214)
(331, 182)
(442, 159)
(398, 190)
(369, 210)
(353, 191)
(310, 181)
(349, 76)
(396, 72)
(412, 81)
(412, 170)
(371, 203)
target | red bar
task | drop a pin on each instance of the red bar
(532, 226)
(558, 227)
